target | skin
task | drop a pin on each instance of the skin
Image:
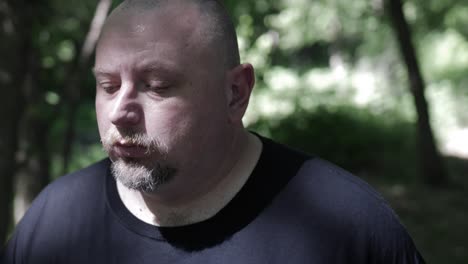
(158, 76)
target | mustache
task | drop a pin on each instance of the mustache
(114, 136)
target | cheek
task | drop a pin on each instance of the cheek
(101, 117)
(169, 119)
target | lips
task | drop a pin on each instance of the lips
(129, 150)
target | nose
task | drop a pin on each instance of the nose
(127, 110)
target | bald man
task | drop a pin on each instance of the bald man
(184, 181)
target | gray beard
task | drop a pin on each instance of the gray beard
(139, 177)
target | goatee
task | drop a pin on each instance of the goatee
(139, 174)
(139, 177)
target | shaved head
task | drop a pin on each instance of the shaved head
(216, 29)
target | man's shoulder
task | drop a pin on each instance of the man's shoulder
(79, 182)
(360, 212)
(78, 188)
(71, 203)
(341, 194)
(345, 205)
(321, 203)
(331, 180)
(320, 182)
(321, 186)
(87, 173)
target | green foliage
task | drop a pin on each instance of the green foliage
(365, 143)
(86, 146)
(338, 53)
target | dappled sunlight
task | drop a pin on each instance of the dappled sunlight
(365, 86)
(283, 90)
(456, 143)
(444, 52)
(447, 118)
(282, 79)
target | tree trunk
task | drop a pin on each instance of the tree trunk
(431, 166)
(13, 54)
(32, 163)
(34, 170)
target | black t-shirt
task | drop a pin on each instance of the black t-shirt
(293, 209)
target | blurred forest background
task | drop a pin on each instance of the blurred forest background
(378, 86)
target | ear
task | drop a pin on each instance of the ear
(241, 80)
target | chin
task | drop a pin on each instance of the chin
(137, 176)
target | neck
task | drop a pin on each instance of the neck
(230, 177)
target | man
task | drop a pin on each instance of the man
(185, 182)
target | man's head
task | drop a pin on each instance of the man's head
(217, 30)
(170, 91)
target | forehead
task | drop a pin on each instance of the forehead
(131, 54)
(170, 33)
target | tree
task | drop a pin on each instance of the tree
(14, 54)
(430, 161)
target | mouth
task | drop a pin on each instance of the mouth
(129, 150)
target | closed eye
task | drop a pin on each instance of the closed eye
(156, 86)
(109, 87)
